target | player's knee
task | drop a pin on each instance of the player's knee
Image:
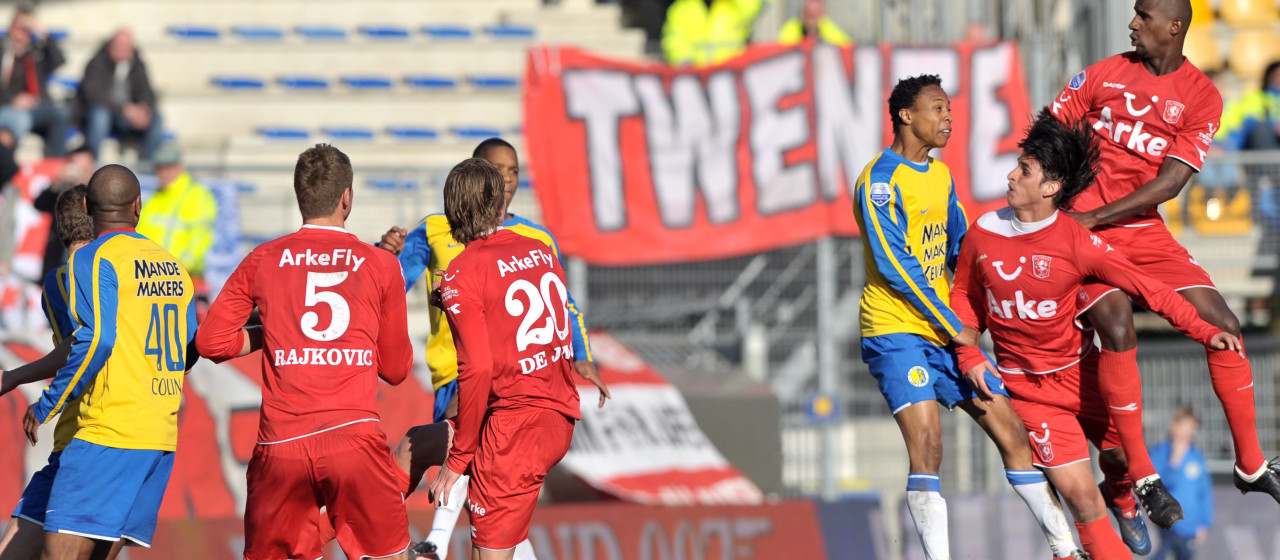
(1228, 322)
(1115, 330)
(928, 455)
(1084, 500)
(1114, 456)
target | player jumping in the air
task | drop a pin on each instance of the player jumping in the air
(1155, 115)
(912, 223)
(507, 305)
(333, 323)
(1018, 276)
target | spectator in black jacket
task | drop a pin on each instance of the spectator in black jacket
(115, 96)
(27, 57)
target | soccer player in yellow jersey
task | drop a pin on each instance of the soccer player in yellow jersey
(429, 249)
(912, 223)
(131, 303)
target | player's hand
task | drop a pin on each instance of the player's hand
(434, 298)
(968, 337)
(393, 240)
(30, 425)
(1086, 219)
(442, 485)
(1226, 341)
(977, 378)
(589, 372)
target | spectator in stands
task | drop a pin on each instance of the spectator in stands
(80, 167)
(28, 55)
(704, 32)
(1182, 467)
(180, 215)
(115, 96)
(1253, 121)
(813, 22)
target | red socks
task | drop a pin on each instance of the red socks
(1233, 383)
(1121, 388)
(1101, 541)
(1119, 488)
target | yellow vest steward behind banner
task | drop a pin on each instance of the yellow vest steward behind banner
(180, 218)
(912, 224)
(132, 306)
(697, 34)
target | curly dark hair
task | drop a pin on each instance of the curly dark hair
(483, 148)
(905, 93)
(1067, 153)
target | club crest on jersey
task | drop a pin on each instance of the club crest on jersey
(918, 376)
(1077, 81)
(1173, 111)
(881, 193)
(1040, 266)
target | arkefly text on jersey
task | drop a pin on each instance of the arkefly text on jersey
(338, 257)
(535, 258)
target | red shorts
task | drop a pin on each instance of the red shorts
(517, 448)
(1063, 413)
(350, 472)
(1156, 252)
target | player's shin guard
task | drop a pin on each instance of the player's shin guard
(929, 511)
(1119, 488)
(524, 551)
(1101, 541)
(1121, 388)
(1233, 383)
(446, 517)
(1032, 487)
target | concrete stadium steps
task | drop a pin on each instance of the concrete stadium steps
(240, 113)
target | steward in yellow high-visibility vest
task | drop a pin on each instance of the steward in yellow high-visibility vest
(180, 215)
(796, 29)
(705, 32)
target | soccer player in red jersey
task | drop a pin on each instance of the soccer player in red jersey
(1019, 274)
(333, 322)
(1155, 114)
(506, 303)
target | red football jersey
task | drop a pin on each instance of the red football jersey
(1140, 119)
(1023, 286)
(505, 300)
(333, 318)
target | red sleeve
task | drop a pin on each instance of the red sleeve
(465, 309)
(395, 351)
(1096, 258)
(1199, 123)
(1075, 100)
(966, 302)
(219, 338)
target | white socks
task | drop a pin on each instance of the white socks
(929, 511)
(1032, 487)
(446, 519)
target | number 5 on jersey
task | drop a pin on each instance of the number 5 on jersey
(339, 310)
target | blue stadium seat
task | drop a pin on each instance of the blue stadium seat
(283, 133)
(524, 183)
(246, 188)
(493, 82)
(391, 184)
(430, 82)
(258, 32)
(307, 83)
(413, 132)
(475, 132)
(348, 132)
(68, 83)
(238, 82)
(393, 32)
(170, 135)
(509, 31)
(59, 34)
(367, 82)
(321, 33)
(446, 31)
(195, 32)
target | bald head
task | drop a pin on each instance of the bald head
(1179, 10)
(113, 189)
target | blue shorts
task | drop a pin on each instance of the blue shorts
(443, 396)
(911, 369)
(35, 497)
(108, 494)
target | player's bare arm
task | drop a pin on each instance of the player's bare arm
(44, 368)
(1172, 177)
(393, 239)
(589, 372)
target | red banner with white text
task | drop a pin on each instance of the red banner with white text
(641, 163)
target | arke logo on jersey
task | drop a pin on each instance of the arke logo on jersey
(1138, 140)
(1042, 443)
(1173, 111)
(1008, 277)
(881, 193)
(1040, 266)
(1026, 308)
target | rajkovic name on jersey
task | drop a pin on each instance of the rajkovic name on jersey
(158, 278)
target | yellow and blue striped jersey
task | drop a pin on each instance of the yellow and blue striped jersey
(134, 316)
(54, 303)
(430, 247)
(911, 224)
